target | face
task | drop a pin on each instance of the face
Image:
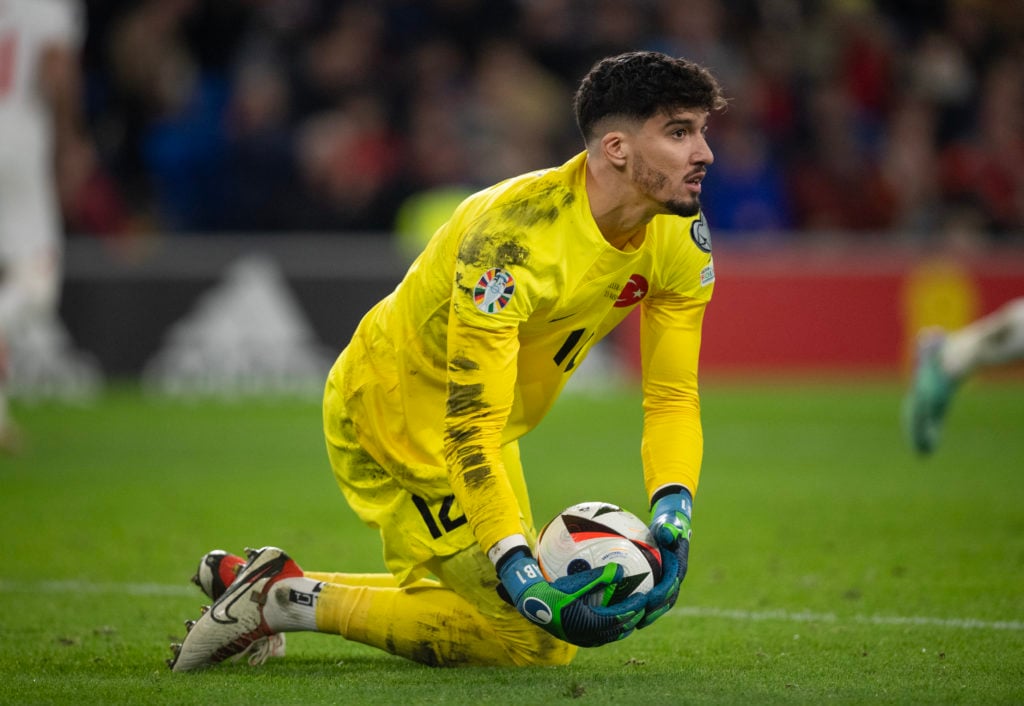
(670, 159)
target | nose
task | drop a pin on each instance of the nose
(702, 154)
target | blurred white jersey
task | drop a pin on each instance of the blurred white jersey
(29, 217)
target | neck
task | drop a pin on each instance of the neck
(620, 216)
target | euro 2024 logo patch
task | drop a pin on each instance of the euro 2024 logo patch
(493, 290)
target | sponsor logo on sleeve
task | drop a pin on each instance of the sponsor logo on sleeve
(494, 290)
(707, 274)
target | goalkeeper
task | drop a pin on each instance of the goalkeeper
(424, 408)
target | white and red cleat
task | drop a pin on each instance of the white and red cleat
(234, 625)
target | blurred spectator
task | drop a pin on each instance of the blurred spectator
(348, 161)
(746, 187)
(939, 72)
(696, 30)
(270, 115)
(346, 57)
(438, 115)
(837, 184)
(151, 74)
(260, 179)
(514, 126)
(549, 30)
(909, 166)
(986, 168)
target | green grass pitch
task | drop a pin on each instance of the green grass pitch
(829, 564)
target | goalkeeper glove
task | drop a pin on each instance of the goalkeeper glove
(670, 525)
(560, 607)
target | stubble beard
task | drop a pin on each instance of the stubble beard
(686, 210)
(651, 181)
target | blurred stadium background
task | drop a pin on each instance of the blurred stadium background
(267, 167)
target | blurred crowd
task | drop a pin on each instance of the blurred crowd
(891, 118)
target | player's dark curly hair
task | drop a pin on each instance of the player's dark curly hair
(641, 84)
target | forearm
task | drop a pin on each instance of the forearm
(673, 439)
(672, 448)
(481, 379)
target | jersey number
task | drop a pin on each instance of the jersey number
(571, 345)
(447, 522)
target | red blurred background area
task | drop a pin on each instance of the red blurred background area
(838, 310)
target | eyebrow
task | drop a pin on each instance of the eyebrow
(689, 123)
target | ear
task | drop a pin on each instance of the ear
(615, 147)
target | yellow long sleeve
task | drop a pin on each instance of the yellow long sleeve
(673, 439)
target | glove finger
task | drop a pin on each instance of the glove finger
(654, 612)
(608, 623)
(682, 558)
(598, 631)
(668, 582)
(660, 594)
(614, 634)
(632, 604)
(651, 616)
(627, 621)
(667, 535)
(669, 567)
(665, 593)
(633, 621)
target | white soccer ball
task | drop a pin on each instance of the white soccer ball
(590, 535)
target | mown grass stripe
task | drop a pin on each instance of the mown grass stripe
(156, 589)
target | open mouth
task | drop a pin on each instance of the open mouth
(693, 182)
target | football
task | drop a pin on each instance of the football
(590, 535)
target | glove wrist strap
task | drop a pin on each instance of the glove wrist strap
(503, 550)
(665, 490)
(670, 498)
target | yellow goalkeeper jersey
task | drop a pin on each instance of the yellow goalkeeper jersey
(474, 345)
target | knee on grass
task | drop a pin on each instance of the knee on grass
(538, 649)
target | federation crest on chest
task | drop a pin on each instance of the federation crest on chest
(635, 289)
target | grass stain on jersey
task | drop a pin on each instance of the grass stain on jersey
(463, 435)
(497, 241)
(541, 208)
(478, 476)
(485, 248)
(465, 399)
(459, 363)
(529, 213)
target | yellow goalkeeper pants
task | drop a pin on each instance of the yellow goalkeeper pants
(455, 618)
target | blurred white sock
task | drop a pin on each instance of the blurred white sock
(992, 340)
